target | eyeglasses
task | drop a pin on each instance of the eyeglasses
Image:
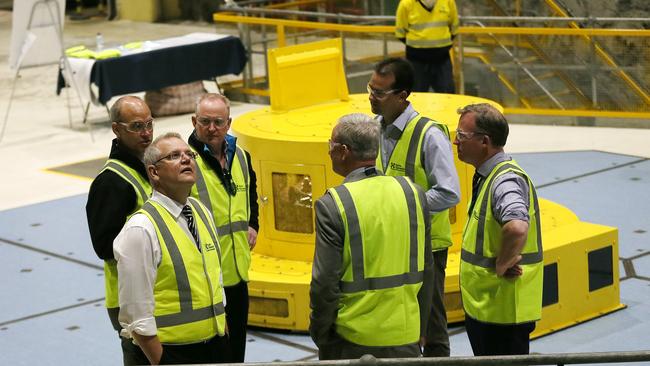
(176, 155)
(464, 136)
(333, 144)
(138, 126)
(206, 122)
(380, 93)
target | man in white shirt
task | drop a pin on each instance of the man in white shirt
(169, 266)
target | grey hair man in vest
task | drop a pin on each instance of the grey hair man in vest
(502, 243)
(417, 147)
(372, 272)
(118, 191)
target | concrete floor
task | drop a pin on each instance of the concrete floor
(53, 290)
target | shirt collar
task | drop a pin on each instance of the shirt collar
(169, 204)
(486, 168)
(395, 129)
(361, 173)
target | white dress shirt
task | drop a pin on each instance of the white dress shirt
(138, 255)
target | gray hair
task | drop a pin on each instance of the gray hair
(116, 108)
(152, 152)
(360, 133)
(489, 120)
(211, 96)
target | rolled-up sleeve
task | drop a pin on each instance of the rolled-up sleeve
(510, 198)
(138, 254)
(438, 161)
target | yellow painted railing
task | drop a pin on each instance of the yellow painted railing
(644, 112)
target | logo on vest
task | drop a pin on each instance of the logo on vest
(241, 188)
(209, 247)
(397, 167)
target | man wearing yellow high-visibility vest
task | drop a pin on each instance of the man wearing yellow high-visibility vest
(118, 191)
(501, 266)
(419, 148)
(428, 27)
(169, 265)
(226, 184)
(372, 274)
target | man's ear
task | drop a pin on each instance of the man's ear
(152, 172)
(194, 121)
(116, 130)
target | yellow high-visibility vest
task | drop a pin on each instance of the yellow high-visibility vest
(426, 29)
(143, 191)
(406, 159)
(486, 297)
(231, 214)
(383, 267)
(188, 293)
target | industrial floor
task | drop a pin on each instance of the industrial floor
(52, 289)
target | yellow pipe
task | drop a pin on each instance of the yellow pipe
(292, 3)
(282, 40)
(556, 31)
(577, 113)
(222, 17)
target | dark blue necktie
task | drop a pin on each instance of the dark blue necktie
(476, 183)
(187, 212)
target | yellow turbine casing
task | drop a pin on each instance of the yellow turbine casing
(288, 143)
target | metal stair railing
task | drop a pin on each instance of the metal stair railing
(557, 9)
(522, 67)
(549, 61)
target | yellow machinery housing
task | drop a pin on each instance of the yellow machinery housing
(288, 143)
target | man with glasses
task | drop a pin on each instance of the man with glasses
(372, 272)
(170, 288)
(501, 267)
(418, 147)
(118, 191)
(227, 185)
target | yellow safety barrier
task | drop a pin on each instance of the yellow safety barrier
(602, 88)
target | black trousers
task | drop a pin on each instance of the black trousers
(132, 354)
(437, 335)
(237, 318)
(496, 339)
(215, 350)
(435, 75)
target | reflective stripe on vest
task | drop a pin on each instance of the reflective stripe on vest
(485, 296)
(142, 190)
(360, 282)
(231, 214)
(187, 313)
(413, 137)
(477, 258)
(382, 260)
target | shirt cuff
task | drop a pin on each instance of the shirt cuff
(145, 327)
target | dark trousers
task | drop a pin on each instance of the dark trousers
(237, 318)
(341, 349)
(437, 336)
(215, 350)
(132, 354)
(435, 75)
(496, 339)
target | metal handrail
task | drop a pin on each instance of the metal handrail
(391, 18)
(523, 68)
(539, 359)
